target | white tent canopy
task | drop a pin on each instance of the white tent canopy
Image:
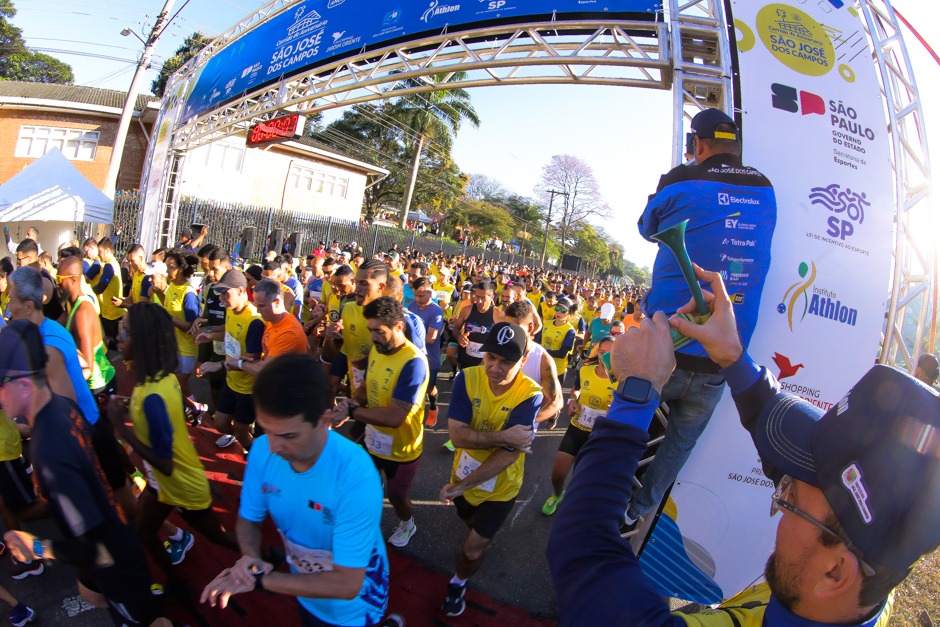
(52, 189)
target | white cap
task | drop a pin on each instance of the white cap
(157, 267)
(607, 311)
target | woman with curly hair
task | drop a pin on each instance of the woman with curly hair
(182, 303)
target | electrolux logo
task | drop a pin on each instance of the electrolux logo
(725, 199)
(847, 205)
(804, 298)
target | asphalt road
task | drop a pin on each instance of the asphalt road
(515, 570)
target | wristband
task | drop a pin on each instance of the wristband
(258, 573)
(38, 551)
(240, 363)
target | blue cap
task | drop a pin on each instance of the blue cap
(876, 457)
(705, 122)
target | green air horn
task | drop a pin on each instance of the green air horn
(674, 238)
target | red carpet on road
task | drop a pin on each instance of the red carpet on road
(416, 591)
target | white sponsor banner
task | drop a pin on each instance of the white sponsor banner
(154, 176)
(813, 123)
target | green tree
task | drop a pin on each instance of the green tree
(18, 63)
(190, 48)
(433, 116)
(481, 220)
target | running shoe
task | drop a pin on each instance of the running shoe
(20, 615)
(22, 570)
(454, 605)
(393, 620)
(156, 589)
(449, 446)
(402, 534)
(552, 504)
(432, 418)
(225, 440)
(179, 548)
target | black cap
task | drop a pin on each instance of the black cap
(705, 122)
(507, 340)
(564, 301)
(929, 364)
(21, 349)
(233, 279)
(875, 455)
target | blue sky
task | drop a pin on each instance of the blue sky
(624, 134)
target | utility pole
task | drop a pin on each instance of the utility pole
(110, 183)
(548, 219)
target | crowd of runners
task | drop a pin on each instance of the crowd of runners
(322, 369)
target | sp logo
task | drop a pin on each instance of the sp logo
(505, 336)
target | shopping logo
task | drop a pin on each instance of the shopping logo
(805, 298)
(787, 369)
(792, 100)
(848, 206)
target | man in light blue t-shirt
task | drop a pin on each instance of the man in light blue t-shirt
(323, 494)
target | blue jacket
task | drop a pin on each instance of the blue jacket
(597, 578)
(732, 212)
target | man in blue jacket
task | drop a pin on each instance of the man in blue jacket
(858, 486)
(731, 212)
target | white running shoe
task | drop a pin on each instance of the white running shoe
(402, 534)
(225, 440)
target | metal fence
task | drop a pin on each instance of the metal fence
(226, 221)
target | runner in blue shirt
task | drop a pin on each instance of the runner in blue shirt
(433, 318)
(323, 494)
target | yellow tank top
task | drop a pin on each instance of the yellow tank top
(115, 289)
(403, 443)
(188, 486)
(552, 338)
(11, 444)
(136, 283)
(597, 393)
(236, 332)
(490, 413)
(173, 298)
(356, 339)
(548, 312)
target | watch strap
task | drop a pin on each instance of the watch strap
(38, 549)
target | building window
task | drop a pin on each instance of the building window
(317, 181)
(225, 157)
(76, 144)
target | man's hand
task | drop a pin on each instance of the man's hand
(335, 331)
(21, 545)
(208, 368)
(645, 351)
(519, 437)
(242, 569)
(221, 589)
(449, 492)
(719, 334)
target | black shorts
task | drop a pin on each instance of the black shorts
(114, 461)
(241, 407)
(16, 485)
(110, 327)
(573, 441)
(191, 516)
(485, 518)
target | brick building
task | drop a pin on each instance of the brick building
(81, 121)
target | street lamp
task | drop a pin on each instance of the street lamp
(130, 31)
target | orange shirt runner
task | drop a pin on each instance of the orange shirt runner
(282, 337)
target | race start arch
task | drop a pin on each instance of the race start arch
(829, 110)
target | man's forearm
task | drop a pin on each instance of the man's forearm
(465, 437)
(323, 585)
(496, 463)
(249, 537)
(391, 416)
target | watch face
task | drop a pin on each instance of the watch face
(636, 389)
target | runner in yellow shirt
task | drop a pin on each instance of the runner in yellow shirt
(491, 418)
(558, 336)
(391, 404)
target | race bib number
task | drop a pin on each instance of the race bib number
(466, 465)
(233, 347)
(377, 442)
(588, 416)
(218, 347)
(307, 561)
(474, 350)
(358, 377)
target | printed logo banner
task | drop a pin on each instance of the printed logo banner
(814, 124)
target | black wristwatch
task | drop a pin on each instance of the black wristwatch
(258, 573)
(637, 390)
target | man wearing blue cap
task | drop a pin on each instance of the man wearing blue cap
(858, 487)
(731, 212)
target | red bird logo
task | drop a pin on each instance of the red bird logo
(786, 368)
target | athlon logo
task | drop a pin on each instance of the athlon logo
(436, 8)
(787, 369)
(848, 206)
(804, 298)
